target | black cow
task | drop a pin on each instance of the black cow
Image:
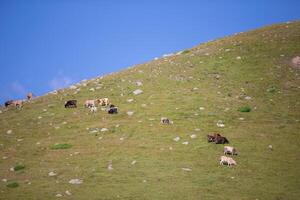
(9, 102)
(71, 104)
(112, 109)
(221, 140)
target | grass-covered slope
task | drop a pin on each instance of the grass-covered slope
(219, 80)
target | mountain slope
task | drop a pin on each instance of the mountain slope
(196, 88)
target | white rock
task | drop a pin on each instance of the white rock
(75, 181)
(137, 92)
(40, 117)
(185, 143)
(9, 131)
(58, 195)
(130, 113)
(139, 83)
(238, 58)
(193, 136)
(4, 180)
(129, 100)
(103, 129)
(45, 110)
(68, 192)
(186, 169)
(133, 162)
(201, 108)
(197, 129)
(52, 174)
(109, 167)
(241, 118)
(92, 89)
(176, 139)
(248, 98)
(270, 147)
(73, 87)
(220, 124)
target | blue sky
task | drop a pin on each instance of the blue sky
(48, 44)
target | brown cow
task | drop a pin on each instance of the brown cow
(29, 96)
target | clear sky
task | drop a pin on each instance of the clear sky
(49, 44)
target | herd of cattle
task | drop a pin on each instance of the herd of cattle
(92, 105)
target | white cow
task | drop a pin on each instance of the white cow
(227, 160)
(103, 101)
(90, 103)
(93, 109)
(230, 150)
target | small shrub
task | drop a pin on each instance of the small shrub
(272, 89)
(186, 51)
(19, 167)
(12, 185)
(61, 146)
(244, 109)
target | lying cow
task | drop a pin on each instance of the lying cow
(71, 104)
(224, 160)
(165, 120)
(113, 110)
(221, 140)
(103, 102)
(230, 150)
(217, 138)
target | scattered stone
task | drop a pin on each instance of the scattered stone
(197, 129)
(121, 138)
(201, 108)
(185, 143)
(238, 58)
(144, 181)
(40, 117)
(68, 192)
(270, 147)
(139, 83)
(4, 180)
(129, 100)
(4, 157)
(144, 105)
(19, 140)
(193, 136)
(75, 181)
(171, 148)
(109, 167)
(73, 87)
(296, 62)
(248, 98)
(241, 118)
(100, 138)
(137, 92)
(92, 89)
(9, 132)
(52, 174)
(45, 110)
(176, 139)
(103, 129)
(220, 124)
(133, 162)
(186, 169)
(58, 195)
(12, 169)
(130, 113)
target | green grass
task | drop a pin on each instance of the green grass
(244, 109)
(209, 77)
(19, 167)
(12, 185)
(61, 146)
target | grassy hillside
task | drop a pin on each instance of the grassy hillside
(196, 88)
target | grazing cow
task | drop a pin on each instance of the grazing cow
(29, 96)
(165, 120)
(93, 109)
(71, 104)
(17, 103)
(91, 103)
(227, 161)
(230, 150)
(8, 103)
(113, 110)
(103, 102)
